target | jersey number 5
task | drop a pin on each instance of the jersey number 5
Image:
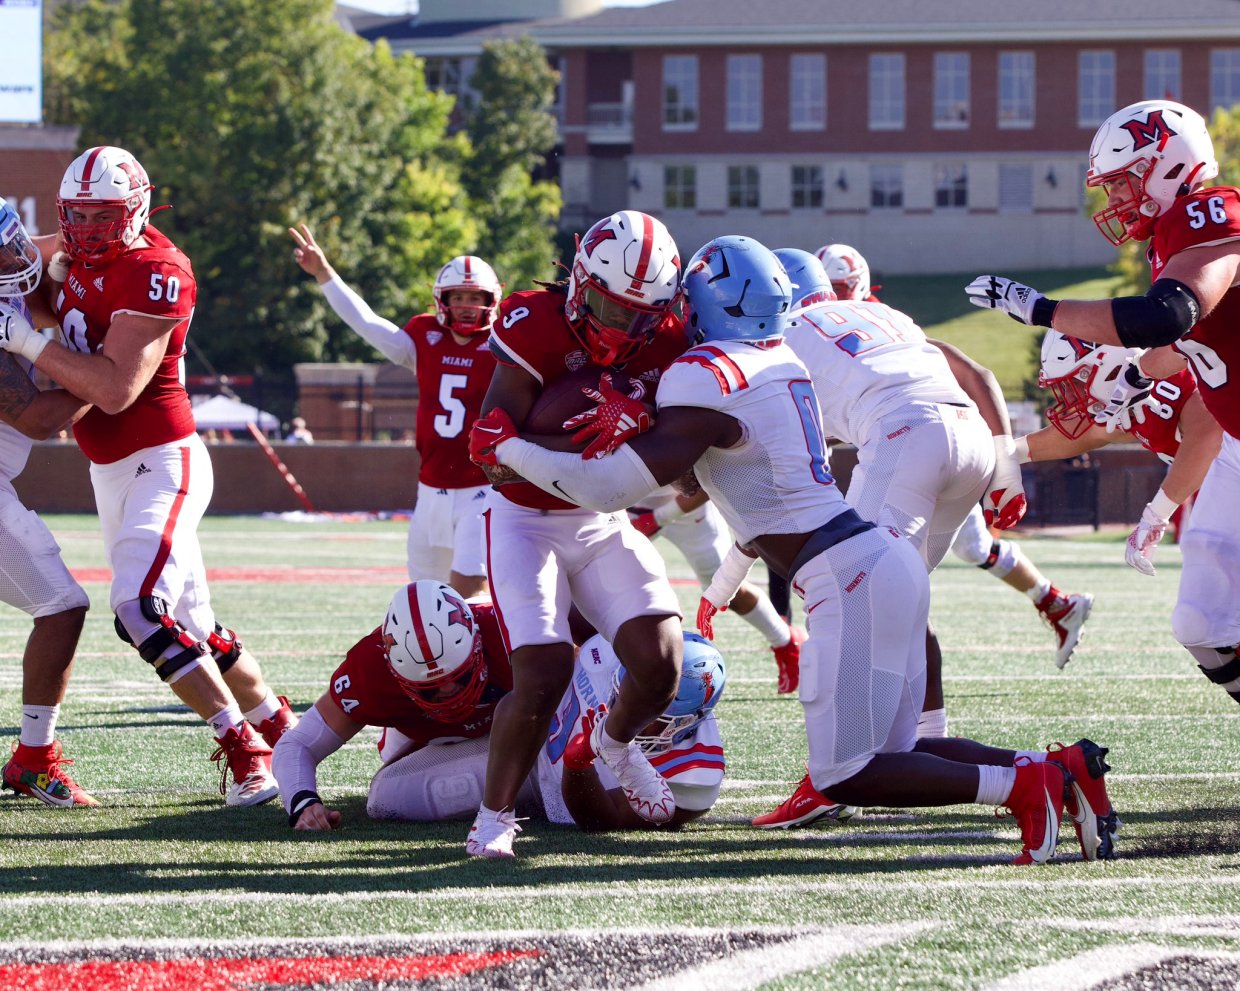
(451, 421)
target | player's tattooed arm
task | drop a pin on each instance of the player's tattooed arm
(17, 391)
(36, 414)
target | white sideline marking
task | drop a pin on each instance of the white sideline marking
(1089, 969)
(1004, 880)
(751, 968)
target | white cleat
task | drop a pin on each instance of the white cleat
(1066, 617)
(648, 794)
(492, 834)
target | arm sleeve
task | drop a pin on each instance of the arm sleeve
(297, 755)
(383, 335)
(606, 485)
(729, 577)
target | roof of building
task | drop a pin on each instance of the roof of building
(700, 23)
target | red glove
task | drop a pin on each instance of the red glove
(579, 755)
(487, 433)
(617, 418)
(1004, 504)
(643, 521)
(706, 617)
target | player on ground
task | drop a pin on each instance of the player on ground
(544, 551)
(34, 578)
(448, 352)
(740, 409)
(1154, 159)
(124, 310)
(437, 712)
(697, 530)
(1172, 422)
(1065, 613)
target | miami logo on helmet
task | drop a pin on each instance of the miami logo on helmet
(596, 236)
(1149, 131)
(1080, 348)
(460, 613)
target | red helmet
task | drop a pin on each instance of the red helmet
(103, 177)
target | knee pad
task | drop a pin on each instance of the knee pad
(225, 647)
(161, 641)
(1190, 626)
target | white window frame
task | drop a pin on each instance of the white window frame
(1162, 74)
(744, 180)
(887, 91)
(681, 72)
(681, 181)
(811, 183)
(744, 93)
(1016, 187)
(1017, 90)
(951, 91)
(1095, 81)
(1224, 77)
(951, 178)
(807, 92)
(887, 181)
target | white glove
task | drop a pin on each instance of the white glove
(58, 267)
(997, 293)
(1129, 400)
(1004, 504)
(1139, 553)
(18, 337)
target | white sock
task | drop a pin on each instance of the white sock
(227, 718)
(994, 784)
(38, 724)
(608, 742)
(1038, 592)
(768, 622)
(1035, 756)
(265, 709)
(932, 724)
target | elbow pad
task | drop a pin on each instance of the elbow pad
(1162, 316)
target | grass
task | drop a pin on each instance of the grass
(922, 900)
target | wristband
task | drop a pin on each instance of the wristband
(1163, 505)
(58, 267)
(1022, 450)
(301, 801)
(1043, 311)
(33, 346)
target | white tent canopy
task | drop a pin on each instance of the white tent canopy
(222, 413)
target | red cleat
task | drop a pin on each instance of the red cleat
(244, 754)
(39, 772)
(803, 806)
(788, 660)
(1086, 800)
(1036, 802)
(274, 727)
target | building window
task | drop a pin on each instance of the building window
(807, 186)
(1015, 188)
(1016, 89)
(452, 75)
(744, 92)
(807, 92)
(951, 187)
(680, 187)
(886, 92)
(1224, 78)
(1162, 74)
(886, 187)
(951, 89)
(1096, 82)
(743, 187)
(680, 92)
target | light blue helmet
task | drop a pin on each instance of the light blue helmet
(736, 290)
(702, 677)
(21, 263)
(808, 276)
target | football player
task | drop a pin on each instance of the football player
(126, 296)
(448, 352)
(1154, 160)
(1065, 613)
(34, 577)
(740, 409)
(545, 550)
(431, 675)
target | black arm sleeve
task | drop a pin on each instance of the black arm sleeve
(1162, 316)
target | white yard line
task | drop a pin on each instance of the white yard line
(1107, 963)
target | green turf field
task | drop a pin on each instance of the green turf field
(895, 899)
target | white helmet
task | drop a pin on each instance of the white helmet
(467, 272)
(847, 269)
(103, 176)
(434, 648)
(1161, 150)
(624, 280)
(21, 262)
(1082, 377)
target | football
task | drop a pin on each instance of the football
(563, 399)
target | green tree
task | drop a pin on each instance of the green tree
(512, 131)
(251, 117)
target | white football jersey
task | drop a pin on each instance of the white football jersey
(867, 360)
(693, 767)
(776, 479)
(14, 446)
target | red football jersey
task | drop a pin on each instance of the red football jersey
(452, 381)
(365, 690)
(1207, 217)
(156, 281)
(533, 333)
(1160, 433)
